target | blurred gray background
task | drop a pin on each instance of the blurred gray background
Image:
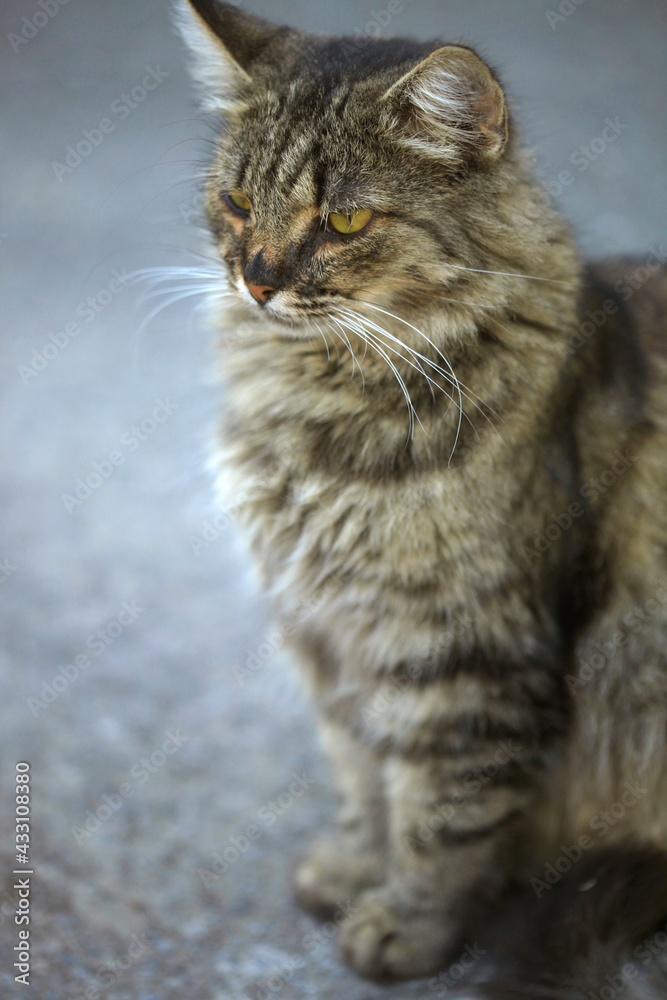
(123, 906)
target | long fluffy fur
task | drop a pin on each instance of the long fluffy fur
(450, 438)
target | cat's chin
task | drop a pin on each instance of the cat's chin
(290, 323)
(239, 314)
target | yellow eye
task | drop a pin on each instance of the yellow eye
(239, 201)
(350, 222)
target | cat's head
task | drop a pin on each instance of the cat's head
(346, 172)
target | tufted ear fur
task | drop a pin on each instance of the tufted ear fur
(450, 106)
(227, 45)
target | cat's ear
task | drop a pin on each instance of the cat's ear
(227, 44)
(450, 106)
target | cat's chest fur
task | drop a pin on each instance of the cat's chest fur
(421, 543)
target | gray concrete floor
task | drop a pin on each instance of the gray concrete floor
(129, 204)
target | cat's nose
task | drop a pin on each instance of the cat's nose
(261, 293)
(259, 274)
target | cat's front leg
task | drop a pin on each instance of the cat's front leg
(340, 865)
(459, 782)
(438, 853)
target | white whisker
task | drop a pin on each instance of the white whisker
(335, 342)
(319, 330)
(512, 274)
(157, 275)
(346, 340)
(172, 301)
(386, 333)
(373, 340)
(453, 376)
(201, 289)
(413, 415)
(354, 321)
(466, 392)
(446, 361)
(417, 367)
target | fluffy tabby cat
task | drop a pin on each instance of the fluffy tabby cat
(478, 513)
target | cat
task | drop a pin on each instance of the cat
(453, 433)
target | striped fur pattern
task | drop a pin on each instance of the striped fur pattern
(429, 436)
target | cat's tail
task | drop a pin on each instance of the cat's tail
(598, 934)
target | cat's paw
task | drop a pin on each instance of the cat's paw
(330, 875)
(385, 940)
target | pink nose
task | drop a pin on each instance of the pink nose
(261, 293)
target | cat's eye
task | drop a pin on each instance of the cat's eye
(350, 222)
(238, 202)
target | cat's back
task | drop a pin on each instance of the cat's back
(623, 412)
(638, 285)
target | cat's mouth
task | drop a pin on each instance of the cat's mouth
(283, 306)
